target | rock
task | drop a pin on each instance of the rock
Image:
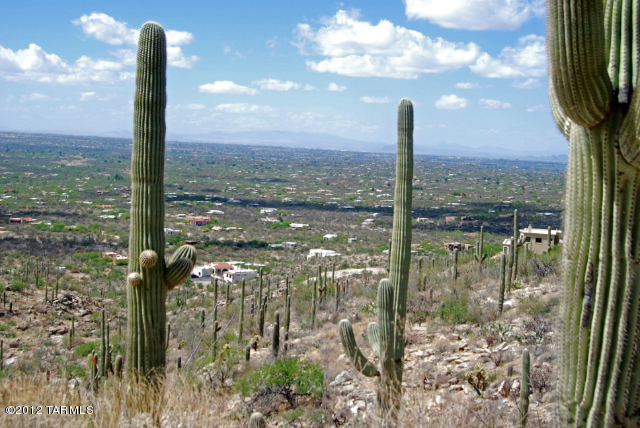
(455, 388)
(455, 336)
(504, 389)
(454, 381)
(23, 326)
(341, 378)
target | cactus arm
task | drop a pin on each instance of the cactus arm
(373, 333)
(359, 361)
(583, 88)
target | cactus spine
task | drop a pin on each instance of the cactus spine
(593, 73)
(275, 343)
(501, 276)
(479, 254)
(241, 320)
(149, 277)
(388, 337)
(525, 389)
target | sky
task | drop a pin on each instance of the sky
(474, 69)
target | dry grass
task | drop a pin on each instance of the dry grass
(115, 404)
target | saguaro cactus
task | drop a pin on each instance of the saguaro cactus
(593, 73)
(517, 243)
(454, 268)
(502, 285)
(479, 254)
(241, 320)
(149, 276)
(387, 337)
(525, 389)
(275, 343)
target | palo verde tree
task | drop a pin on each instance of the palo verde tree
(594, 52)
(387, 337)
(149, 276)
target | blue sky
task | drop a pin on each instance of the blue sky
(475, 69)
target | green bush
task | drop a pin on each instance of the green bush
(455, 311)
(288, 376)
(19, 285)
(86, 348)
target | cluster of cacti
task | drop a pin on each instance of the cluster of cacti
(387, 337)
(593, 75)
(525, 389)
(479, 254)
(149, 276)
(502, 283)
(275, 342)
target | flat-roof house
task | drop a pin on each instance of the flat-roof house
(290, 245)
(200, 221)
(238, 275)
(329, 236)
(450, 246)
(537, 239)
(320, 253)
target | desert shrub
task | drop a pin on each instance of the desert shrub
(19, 286)
(288, 377)
(533, 306)
(86, 348)
(478, 378)
(418, 309)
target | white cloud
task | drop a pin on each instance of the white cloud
(176, 58)
(226, 87)
(535, 108)
(527, 60)
(177, 38)
(244, 108)
(84, 96)
(475, 14)
(467, 85)
(529, 83)
(276, 85)
(69, 108)
(190, 107)
(226, 49)
(271, 43)
(493, 104)
(308, 87)
(125, 56)
(103, 27)
(358, 48)
(35, 65)
(127, 75)
(374, 100)
(335, 87)
(33, 97)
(452, 102)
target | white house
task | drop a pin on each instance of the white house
(268, 210)
(215, 212)
(329, 236)
(320, 253)
(239, 274)
(290, 245)
(298, 225)
(171, 231)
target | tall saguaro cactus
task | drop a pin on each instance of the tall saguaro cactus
(387, 337)
(593, 73)
(149, 276)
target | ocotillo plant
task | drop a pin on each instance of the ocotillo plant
(479, 253)
(525, 389)
(593, 66)
(387, 337)
(240, 321)
(149, 276)
(502, 285)
(275, 342)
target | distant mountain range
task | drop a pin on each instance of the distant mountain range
(333, 142)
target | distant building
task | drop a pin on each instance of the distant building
(298, 225)
(354, 239)
(268, 210)
(115, 257)
(200, 221)
(450, 246)
(329, 236)
(320, 253)
(171, 231)
(239, 274)
(215, 212)
(290, 245)
(269, 220)
(536, 239)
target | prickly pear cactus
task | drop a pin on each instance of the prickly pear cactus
(593, 73)
(387, 337)
(149, 276)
